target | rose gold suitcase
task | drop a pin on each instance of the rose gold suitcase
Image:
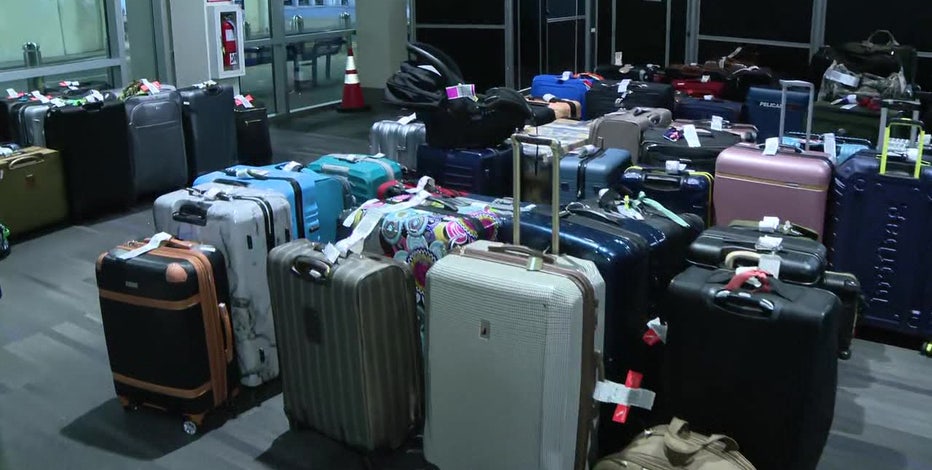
(792, 185)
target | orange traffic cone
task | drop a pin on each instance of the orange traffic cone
(352, 90)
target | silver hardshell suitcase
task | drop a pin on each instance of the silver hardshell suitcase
(397, 141)
(244, 224)
(348, 344)
(156, 142)
(623, 129)
(512, 344)
(32, 124)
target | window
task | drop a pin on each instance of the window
(63, 30)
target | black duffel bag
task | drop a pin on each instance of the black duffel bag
(880, 54)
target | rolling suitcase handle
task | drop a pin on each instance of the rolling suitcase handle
(899, 105)
(557, 148)
(884, 153)
(785, 85)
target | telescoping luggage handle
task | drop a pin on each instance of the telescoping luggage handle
(557, 148)
(899, 105)
(785, 85)
(885, 152)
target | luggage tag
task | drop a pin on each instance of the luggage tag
(71, 85)
(718, 123)
(619, 58)
(674, 166)
(770, 264)
(611, 392)
(405, 120)
(705, 79)
(462, 91)
(12, 94)
(244, 101)
(768, 224)
(58, 103)
(151, 87)
(39, 96)
(692, 137)
(623, 86)
(292, 166)
(155, 242)
(633, 380)
(843, 78)
(753, 281)
(331, 252)
(768, 243)
(566, 76)
(771, 146)
(829, 146)
(656, 332)
(708, 97)
(626, 211)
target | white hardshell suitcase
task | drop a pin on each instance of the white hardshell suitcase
(244, 224)
(397, 141)
(512, 345)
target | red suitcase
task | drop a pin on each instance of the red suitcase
(698, 88)
(792, 185)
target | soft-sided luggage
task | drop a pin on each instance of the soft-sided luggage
(253, 141)
(244, 224)
(76, 88)
(791, 184)
(745, 132)
(538, 321)
(699, 88)
(156, 142)
(398, 141)
(314, 210)
(93, 142)
(209, 130)
(32, 190)
(701, 108)
(567, 86)
(481, 171)
(624, 129)
(681, 191)
(845, 121)
(364, 172)
(657, 150)
(586, 171)
(763, 107)
(165, 309)
(881, 220)
(774, 347)
(347, 333)
(610, 96)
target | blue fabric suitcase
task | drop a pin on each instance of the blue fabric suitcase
(481, 171)
(882, 221)
(299, 188)
(365, 173)
(573, 89)
(763, 110)
(681, 191)
(699, 109)
(588, 170)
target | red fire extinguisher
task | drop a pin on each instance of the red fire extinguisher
(228, 31)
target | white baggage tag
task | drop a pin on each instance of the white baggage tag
(705, 78)
(548, 97)
(566, 76)
(292, 166)
(708, 97)
(11, 93)
(770, 264)
(378, 155)
(153, 88)
(348, 221)
(58, 102)
(421, 184)
(241, 100)
(849, 106)
(250, 173)
(619, 58)
(674, 166)
(692, 138)
(97, 94)
(659, 328)
(771, 146)
(828, 141)
(40, 96)
(718, 123)
(768, 224)
(154, 243)
(623, 86)
(405, 120)
(769, 243)
(843, 78)
(331, 253)
(212, 193)
(611, 392)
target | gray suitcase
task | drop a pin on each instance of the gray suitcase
(209, 129)
(156, 142)
(30, 123)
(348, 344)
(244, 224)
(397, 141)
(512, 341)
(624, 129)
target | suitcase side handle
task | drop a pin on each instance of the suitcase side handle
(227, 331)
(729, 300)
(311, 269)
(522, 250)
(191, 214)
(518, 153)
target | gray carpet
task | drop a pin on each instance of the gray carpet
(57, 408)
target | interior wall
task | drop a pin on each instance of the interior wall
(60, 27)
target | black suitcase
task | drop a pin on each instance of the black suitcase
(209, 130)
(759, 367)
(656, 150)
(94, 146)
(603, 97)
(76, 89)
(641, 73)
(253, 142)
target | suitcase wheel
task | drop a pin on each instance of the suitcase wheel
(926, 349)
(844, 355)
(128, 405)
(190, 427)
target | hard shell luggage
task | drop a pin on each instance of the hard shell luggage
(610, 96)
(93, 143)
(586, 171)
(537, 160)
(775, 350)
(209, 130)
(533, 318)
(881, 219)
(304, 197)
(681, 191)
(699, 88)
(763, 107)
(791, 185)
(156, 142)
(656, 150)
(253, 141)
(76, 88)
(481, 171)
(701, 108)
(32, 190)
(845, 147)
(364, 172)
(165, 310)
(566, 86)
(397, 141)
(28, 123)
(243, 224)
(624, 129)
(334, 195)
(348, 344)
(745, 132)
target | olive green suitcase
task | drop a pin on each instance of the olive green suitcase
(32, 190)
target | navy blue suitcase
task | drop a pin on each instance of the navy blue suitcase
(763, 110)
(588, 170)
(680, 191)
(481, 171)
(879, 229)
(700, 109)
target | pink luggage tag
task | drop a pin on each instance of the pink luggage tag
(656, 332)
(621, 411)
(244, 101)
(462, 91)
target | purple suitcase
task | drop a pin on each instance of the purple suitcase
(791, 185)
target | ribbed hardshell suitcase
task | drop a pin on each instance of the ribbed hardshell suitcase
(881, 219)
(791, 185)
(611, 96)
(334, 195)
(167, 326)
(701, 108)
(760, 366)
(745, 132)
(398, 141)
(156, 142)
(587, 170)
(680, 191)
(481, 171)
(624, 129)
(28, 123)
(244, 224)
(253, 141)
(497, 311)
(93, 143)
(763, 107)
(348, 344)
(209, 130)
(537, 160)
(32, 188)
(364, 172)
(656, 150)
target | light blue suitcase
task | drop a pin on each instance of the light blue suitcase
(364, 172)
(587, 170)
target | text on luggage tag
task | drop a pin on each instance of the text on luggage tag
(771, 146)
(718, 123)
(828, 142)
(633, 380)
(692, 137)
(405, 120)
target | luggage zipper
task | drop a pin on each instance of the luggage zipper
(298, 202)
(269, 217)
